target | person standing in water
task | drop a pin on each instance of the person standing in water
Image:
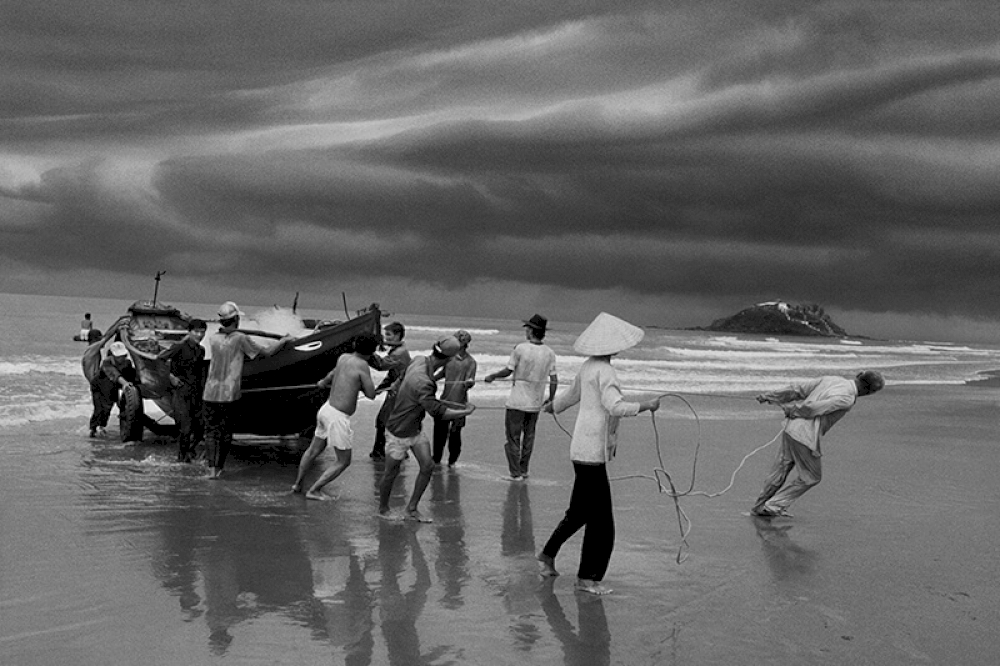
(116, 371)
(459, 376)
(187, 378)
(230, 348)
(394, 364)
(811, 408)
(404, 428)
(593, 446)
(333, 421)
(533, 364)
(86, 326)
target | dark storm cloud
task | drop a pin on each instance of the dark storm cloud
(840, 153)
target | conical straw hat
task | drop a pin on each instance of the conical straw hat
(607, 334)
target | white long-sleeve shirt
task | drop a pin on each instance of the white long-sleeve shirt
(596, 388)
(814, 406)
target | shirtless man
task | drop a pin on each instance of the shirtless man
(333, 421)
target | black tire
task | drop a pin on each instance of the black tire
(131, 416)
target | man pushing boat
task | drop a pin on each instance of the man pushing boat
(349, 377)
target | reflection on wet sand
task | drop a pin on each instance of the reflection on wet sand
(787, 561)
(517, 542)
(590, 643)
(452, 563)
(237, 552)
(517, 535)
(345, 598)
(237, 555)
(400, 610)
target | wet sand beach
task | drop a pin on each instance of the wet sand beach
(114, 554)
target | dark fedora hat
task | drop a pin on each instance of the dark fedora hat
(537, 322)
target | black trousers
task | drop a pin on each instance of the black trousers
(104, 395)
(589, 507)
(186, 401)
(450, 433)
(378, 448)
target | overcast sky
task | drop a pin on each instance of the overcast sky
(669, 162)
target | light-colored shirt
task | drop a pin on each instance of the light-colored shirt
(596, 388)
(533, 365)
(814, 406)
(225, 371)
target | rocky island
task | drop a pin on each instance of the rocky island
(779, 318)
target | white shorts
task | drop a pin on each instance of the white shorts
(397, 447)
(334, 426)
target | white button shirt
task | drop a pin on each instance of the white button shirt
(596, 388)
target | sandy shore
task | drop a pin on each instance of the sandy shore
(115, 554)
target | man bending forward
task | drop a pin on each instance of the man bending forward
(333, 421)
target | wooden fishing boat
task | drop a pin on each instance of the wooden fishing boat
(280, 396)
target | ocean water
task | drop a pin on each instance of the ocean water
(41, 377)
(115, 553)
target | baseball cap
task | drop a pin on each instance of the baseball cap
(447, 346)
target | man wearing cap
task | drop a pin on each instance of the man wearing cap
(593, 446)
(533, 364)
(811, 408)
(229, 348)
(404, 427)
(116, 371)
(459, 376)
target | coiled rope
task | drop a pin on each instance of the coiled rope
(660, 474)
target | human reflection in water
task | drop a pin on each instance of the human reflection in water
(252, 565)
(452, 563)
(590, 643)
(399, 610)
(175, 563)
(517, 535)
(517, 541)
(348, 619)
(786, 559)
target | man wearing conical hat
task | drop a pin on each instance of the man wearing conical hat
(533, 365)
(597, 391)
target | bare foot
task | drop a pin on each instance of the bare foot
(390, 516)
(547, 565)
(296, 488)
(318, 495)
(413, 514)
(591, 587)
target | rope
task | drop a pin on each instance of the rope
(280, 388)
(684, 523)
(638, 389)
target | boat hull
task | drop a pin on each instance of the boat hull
(279, 392)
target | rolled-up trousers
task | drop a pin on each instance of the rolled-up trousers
(218, 431)
(808, 466)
